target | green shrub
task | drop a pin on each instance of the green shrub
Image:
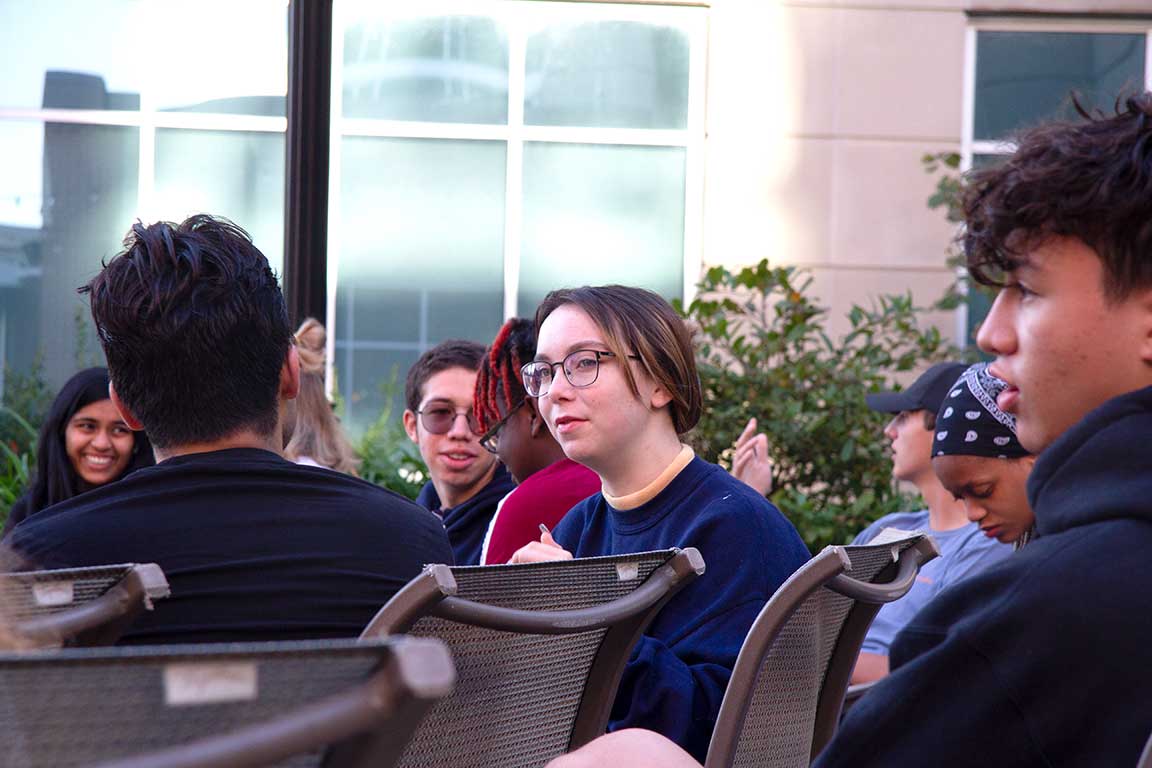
(765, 352)
(389, 458)
(17, 458)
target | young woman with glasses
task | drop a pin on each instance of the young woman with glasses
(550, 483)
(615, 380)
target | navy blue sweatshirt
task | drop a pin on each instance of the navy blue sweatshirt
(467, 523)
(677, 675)
(1043, 659)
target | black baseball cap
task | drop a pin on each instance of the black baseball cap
(925, 394)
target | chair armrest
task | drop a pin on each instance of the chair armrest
(111, 611)
(686, 564)
(418, 673)
(908, 567)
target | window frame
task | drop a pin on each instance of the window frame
(970, 146)
(516, 17)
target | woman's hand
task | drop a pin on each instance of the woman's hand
(541, 551)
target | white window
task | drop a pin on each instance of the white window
(485, 153)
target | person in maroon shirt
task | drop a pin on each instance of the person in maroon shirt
(550, 484)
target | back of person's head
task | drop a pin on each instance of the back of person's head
(637, 322)
(1089, 180)
(454, 353)
(317, 434)
(499, 383)
(55, 479)
(195, 330)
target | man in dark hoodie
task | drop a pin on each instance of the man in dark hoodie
(1043, 659)
(466, 481)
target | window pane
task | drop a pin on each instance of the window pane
(93, 58)
(610, 74)
(421, 255)
(238, 175)
(68, 65)
(246, 70)
(451, 69)
(1023, 78)
(67, 196)
(601, 214)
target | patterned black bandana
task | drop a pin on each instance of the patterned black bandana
(971, 424)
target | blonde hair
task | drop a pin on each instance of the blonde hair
(317, 433)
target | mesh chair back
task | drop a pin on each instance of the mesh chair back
(79, 707)
(525, 696)
(84, 606)
(795, 663)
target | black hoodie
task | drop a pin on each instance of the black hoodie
(1046, 658)
(467, 523)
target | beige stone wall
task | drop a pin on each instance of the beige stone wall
(818, 114)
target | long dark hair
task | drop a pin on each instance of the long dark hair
(55, 479)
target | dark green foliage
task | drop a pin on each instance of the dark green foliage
(765, 352)
(389, 458)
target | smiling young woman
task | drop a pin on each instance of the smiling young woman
(615, 380)
(84, 443)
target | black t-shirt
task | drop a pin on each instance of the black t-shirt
(254, 546)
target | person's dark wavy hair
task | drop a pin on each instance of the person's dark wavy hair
(1091, 180)
(195, 330)
(453, 353)
(55, 480)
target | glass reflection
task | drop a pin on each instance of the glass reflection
(601, 214)
(608, 74)
(451, 69)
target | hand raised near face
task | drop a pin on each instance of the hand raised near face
(541, 551)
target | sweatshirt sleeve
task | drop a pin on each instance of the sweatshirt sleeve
(677, 689)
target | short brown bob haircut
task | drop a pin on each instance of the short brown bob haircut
(1091, 180)
(638, 322)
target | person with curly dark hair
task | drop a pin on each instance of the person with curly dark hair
(255, 547)
(1043, 659)
(549, 483)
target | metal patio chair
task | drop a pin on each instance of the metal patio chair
(784, 697)
(79, 606)
(340, 704)
(539, 650)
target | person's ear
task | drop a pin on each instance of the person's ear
(660, 397)
(535, 420)
(129, 417)
(410, 425)
(290, 375)
(1146, 342)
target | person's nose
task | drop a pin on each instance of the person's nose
(974, 510)
(460, 429)
(997, 335)
(890, 430)
(560, 388)
(101, 441)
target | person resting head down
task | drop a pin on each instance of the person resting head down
(979, 460)
(83, 444)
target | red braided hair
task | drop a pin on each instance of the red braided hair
(499, 377)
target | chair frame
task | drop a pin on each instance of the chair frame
(826, 569)
(366, 726)
(433, 593)
(100, 621)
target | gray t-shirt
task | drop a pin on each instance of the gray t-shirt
(963, 551)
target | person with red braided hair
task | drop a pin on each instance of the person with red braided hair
(550, 484)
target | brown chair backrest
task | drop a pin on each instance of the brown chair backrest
(783, 700)
(79, 606)
(341, 704)
(539, 650)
